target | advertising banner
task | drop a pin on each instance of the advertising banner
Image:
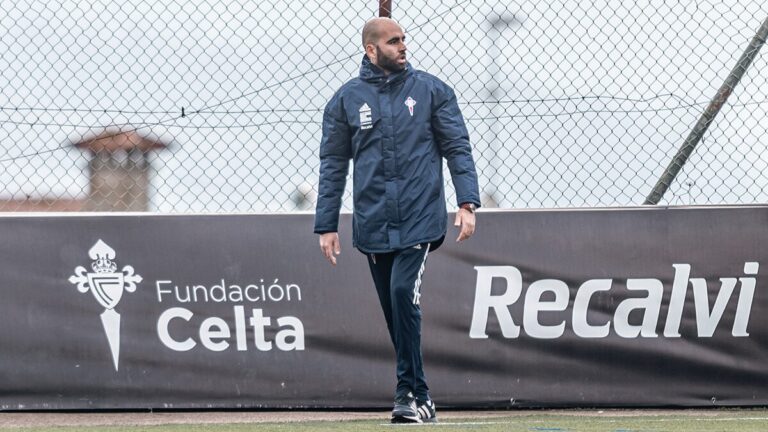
(604, 307)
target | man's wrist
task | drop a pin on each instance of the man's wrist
(468, 206)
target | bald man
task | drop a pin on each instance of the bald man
(397, 124)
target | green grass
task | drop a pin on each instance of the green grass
(730, 420)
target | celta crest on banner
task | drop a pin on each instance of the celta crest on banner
(106, 285)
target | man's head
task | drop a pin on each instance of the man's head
(384, 44)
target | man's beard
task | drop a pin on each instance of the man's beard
(388, 64)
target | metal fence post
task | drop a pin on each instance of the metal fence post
(708, 116)
(385, 8)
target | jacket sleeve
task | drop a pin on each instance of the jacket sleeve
(453, 142)
(335, 152)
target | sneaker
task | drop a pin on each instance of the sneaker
(405, 410)
(426, 411)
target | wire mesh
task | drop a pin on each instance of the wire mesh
(216, 106)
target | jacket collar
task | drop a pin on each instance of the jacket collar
(369, 72)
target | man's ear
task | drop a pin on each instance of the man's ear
(370, 51)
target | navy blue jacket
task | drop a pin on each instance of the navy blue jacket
(397, 129)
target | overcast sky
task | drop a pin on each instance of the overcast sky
(568, 103)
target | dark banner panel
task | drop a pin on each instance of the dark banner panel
(609, 307)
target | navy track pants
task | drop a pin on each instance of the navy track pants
(397, 276)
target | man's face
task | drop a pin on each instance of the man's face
(390, 49)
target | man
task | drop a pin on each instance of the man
(397, 124)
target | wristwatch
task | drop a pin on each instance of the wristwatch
(470, 207)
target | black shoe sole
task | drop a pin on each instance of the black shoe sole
(403, 419)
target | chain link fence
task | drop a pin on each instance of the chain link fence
(216, 106)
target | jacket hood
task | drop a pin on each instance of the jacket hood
(371, 73)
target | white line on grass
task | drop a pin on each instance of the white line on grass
(622, 420)
(714, 419)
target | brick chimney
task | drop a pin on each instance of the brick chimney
(119, 171)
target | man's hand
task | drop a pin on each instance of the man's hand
(330, 246)
(465, 220)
